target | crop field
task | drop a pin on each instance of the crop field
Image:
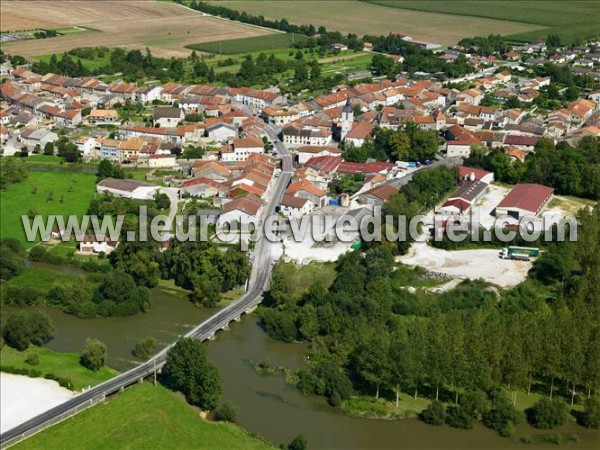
(164, 27)
(247, 45)
(363, 18)
(569, 18)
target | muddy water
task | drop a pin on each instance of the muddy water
(169, 317)
(267, 405)
(279, 412)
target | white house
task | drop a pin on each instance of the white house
(296, 207)
(167, 116)
(221, 132)
(241, 149)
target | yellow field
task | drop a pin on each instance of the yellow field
(362, 18)
(165, 28)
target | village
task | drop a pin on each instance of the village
(215, 144)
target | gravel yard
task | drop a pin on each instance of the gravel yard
(463, 264)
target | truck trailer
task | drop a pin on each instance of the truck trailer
(519, 253)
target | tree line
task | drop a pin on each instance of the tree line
(570, 170)
(370, 336)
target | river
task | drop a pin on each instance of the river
(267, 405)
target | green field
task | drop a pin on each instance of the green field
(363, 18)
(571, 19)
(42, 193)
(248, 45)
(65, 365)
(142, 417)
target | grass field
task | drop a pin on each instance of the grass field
(76, 190)
(248, 45)
(144, 416)
(363, 18)
(37, 278)
(65, 365)
(299, 279)
(569, 18)
(166, 27)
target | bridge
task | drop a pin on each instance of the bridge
(259, 278)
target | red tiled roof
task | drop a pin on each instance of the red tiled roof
(527, 196)
(464, 171)
(513, 139)
(250, 204)
(382, 192)
(371, 167)
(324, 163)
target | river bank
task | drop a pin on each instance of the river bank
(22, 398)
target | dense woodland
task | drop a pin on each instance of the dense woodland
(569, 170)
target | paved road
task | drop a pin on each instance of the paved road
(259, 278)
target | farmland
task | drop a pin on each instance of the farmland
(164, 27)
(570, 19)
(364, 18)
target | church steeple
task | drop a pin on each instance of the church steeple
(347, 119)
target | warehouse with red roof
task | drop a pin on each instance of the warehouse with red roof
(525, 199)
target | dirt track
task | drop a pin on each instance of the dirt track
(165, 28)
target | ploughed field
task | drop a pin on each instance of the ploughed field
(363, 18)
(164, 27)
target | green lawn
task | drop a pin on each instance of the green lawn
(42, 193)
(144, 416)
(64, 365)
(250, 44)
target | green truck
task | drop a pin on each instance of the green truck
(520, 253)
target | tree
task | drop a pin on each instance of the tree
(49, 148)
(226, 412)
(27, 327)
(107, 169)
(144, 347)
(548, 413)
(162, 201)
(93, 355)
(299, 443)
(382, 64)
(190, 372)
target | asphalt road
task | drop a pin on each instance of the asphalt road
(259, 278)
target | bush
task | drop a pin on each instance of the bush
(502, 416)
(144, 347)
(93, 356)
(591, 415)
(458, 417)
(548, 413)
(22, 296)
(226, 412)
(37, 253)
(434, 414)
(32, 359)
